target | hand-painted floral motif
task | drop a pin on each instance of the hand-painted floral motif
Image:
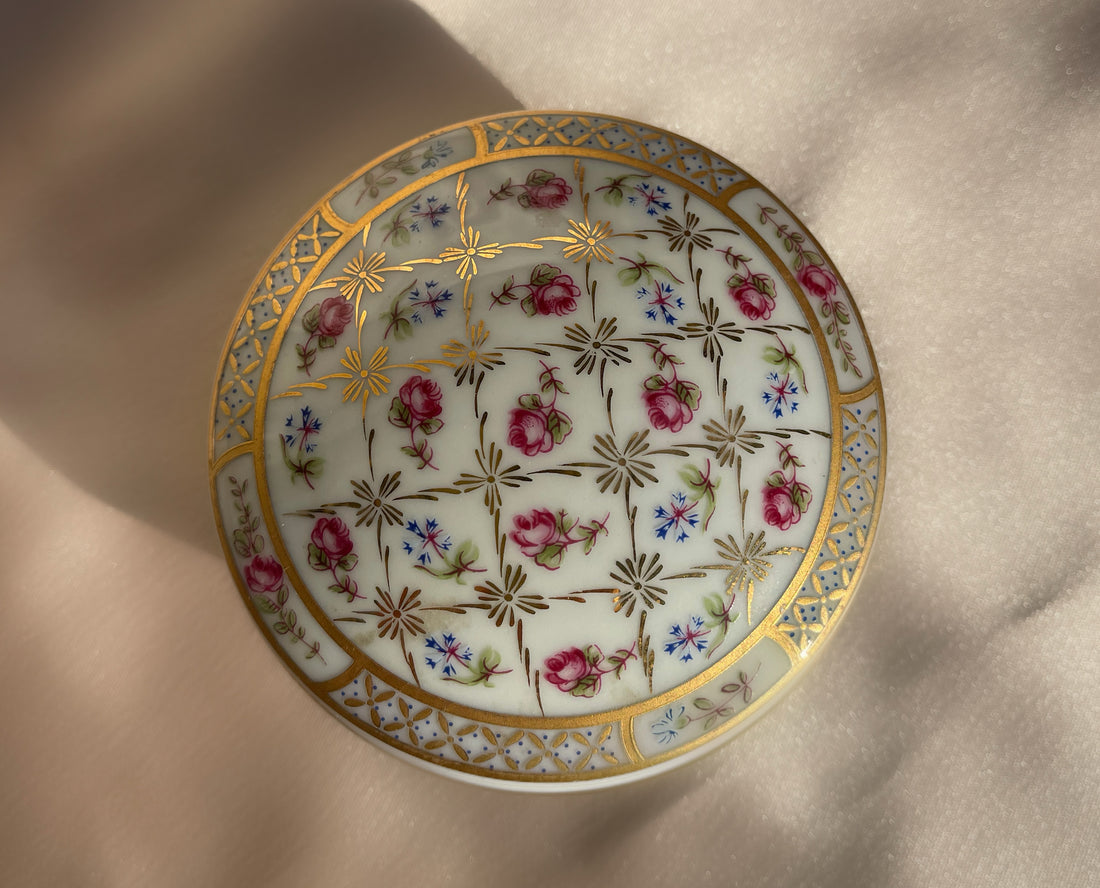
(428, 212)
(425, 542)
(417, 408)
(675, 719)
(408, 162)
(688, 639)
(678, 518)
(681, 515)
(818, 281)
(298, 444)
(662, 304)
(780, 394)
(542, 190)
(467, 469)
(544, 536)
(537, 425)
(786, 498)
(549, 292)
(265, 580)
(580, 672)
(670, 402)
(413, 305)
(324, 323)
(753, 292)
(453, 658)
(331, 549)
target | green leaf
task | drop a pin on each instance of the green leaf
(399, 414)
(558, 425)
(731, 688)
(265, 604)
(291, 619)
(528, 305)
(348, 562)
(773, 355)
(489, 659)
(655, 383)
(430, 426)
(812, 257)
(337, 588)
(539, 177)
(282, 595)
(318, 559)
(764, 284)
(312, 319)
(629, 276)
(402, 329)
(593, 655)
(614, 195)
(401, 236)
(410, 451)
(551, 556)
(326, 341)
(524, 200)
(801, 496)
(798, 261)
(688, 393)
(735, 280)
(542, 274)
(240, 543)
(588, 686)
(776, 479)
(530, 402)
(281, 627)
(703, 703)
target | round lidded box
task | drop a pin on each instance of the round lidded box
(546, 448)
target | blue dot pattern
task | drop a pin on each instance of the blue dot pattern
(663, 150)
(829, 585)
(380, 710)
(240, 376)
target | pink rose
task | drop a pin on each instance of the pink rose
(754, 305)
(559, 297)
(263, 574)
(332, 537)
(534, 531)
(567, 669)
(527, 431)
(549, 195)
(422, 397)
(817, 280)
(666, 411)
(779, 507)
(335, 314)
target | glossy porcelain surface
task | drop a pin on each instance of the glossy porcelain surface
(546, 448)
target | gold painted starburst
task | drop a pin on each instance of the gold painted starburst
(471, 358)
(471, 250)
(371, 378)
(585, 239)
(365, 274)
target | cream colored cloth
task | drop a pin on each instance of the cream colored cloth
(946, 156)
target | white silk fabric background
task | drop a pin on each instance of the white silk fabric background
(945, 154)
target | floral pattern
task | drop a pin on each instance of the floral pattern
(580, 672)
(544, 536)
(549, 390)
(515, 403)
(537, 425)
